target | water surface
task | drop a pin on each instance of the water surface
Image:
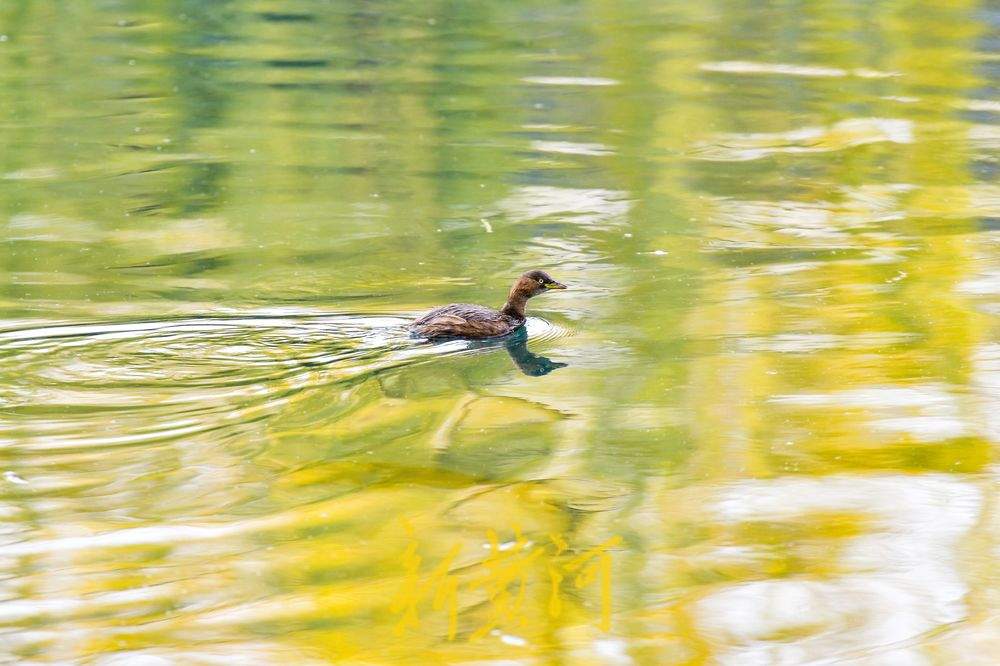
(759, 428)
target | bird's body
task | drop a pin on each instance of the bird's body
(464, 320)
(467, 321)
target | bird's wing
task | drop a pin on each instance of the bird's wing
(456, 313)
(446, 319)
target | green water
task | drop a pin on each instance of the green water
(759, 428)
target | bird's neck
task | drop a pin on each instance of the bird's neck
(514, 307)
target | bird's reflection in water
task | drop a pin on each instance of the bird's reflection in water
(530, 364)
(527, 362)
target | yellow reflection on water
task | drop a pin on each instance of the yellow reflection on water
(759, 428)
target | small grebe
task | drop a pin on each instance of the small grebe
(462, 320)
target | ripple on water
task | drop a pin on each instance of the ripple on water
(839, 136)
(99, 385)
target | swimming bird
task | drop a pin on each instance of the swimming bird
(463, 320)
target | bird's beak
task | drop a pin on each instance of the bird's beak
(555, 285)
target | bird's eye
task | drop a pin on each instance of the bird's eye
(541, 281)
